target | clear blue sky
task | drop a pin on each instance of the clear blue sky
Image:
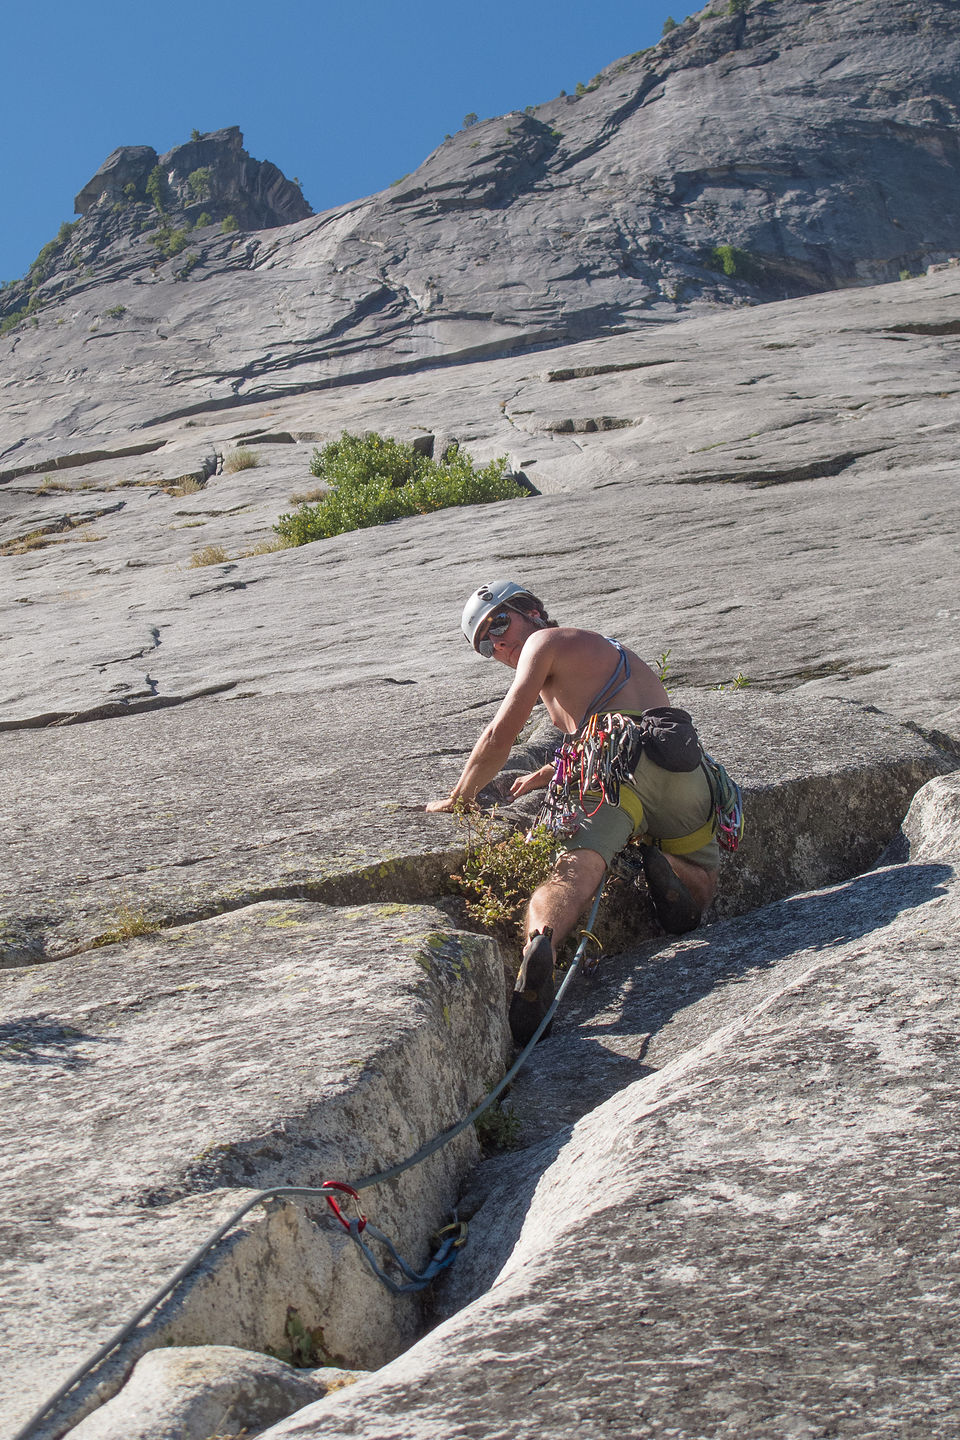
(347, 96)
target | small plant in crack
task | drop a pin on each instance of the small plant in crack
(305, 1348)
(498, 1129)
(241, 459)
(499, 874)
(128, 924)
(183, 485)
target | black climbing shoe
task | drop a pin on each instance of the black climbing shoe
(673, 905)
(534, 991)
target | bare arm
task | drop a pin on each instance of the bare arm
(534, 780)
(494, 745)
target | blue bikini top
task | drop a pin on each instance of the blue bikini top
(614, 685)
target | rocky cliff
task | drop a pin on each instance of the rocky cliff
(141, 209)
(760, 150)
(231, 951)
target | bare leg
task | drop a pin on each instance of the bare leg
(701, 883)
(554, 906)
(560, 900)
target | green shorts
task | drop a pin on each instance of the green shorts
(660, 805)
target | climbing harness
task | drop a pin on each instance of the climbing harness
(591, 767)
(450, 1239)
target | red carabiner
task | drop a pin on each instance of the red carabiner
(346, 1190)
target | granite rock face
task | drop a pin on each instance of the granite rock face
(211, 173)
(285, 1044)
(766, 1245)
(780, 480)
(142, 209)
(234, 955)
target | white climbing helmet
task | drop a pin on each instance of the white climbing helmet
(484, 601)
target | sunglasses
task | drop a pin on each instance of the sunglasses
(499, 625)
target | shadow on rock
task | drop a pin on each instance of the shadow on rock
(691, 970)
(41, 1040)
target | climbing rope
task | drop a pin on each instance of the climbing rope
(451, 1239)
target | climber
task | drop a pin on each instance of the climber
(578, 674)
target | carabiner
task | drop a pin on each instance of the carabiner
(346, 1190)
(457, 1232)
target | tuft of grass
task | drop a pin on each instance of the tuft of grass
(266, 547)
(209, 555)
(374, 479)
(128, 924)
(241, 459)
(310, 497)
(662, 663)
(184, 485)
(48, 535)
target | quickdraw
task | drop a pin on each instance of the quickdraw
(597, 762)
(448, 1241)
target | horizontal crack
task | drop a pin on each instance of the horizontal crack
(583, 372)
(112, 709)
(919, 327)
(760, 479)
(408, 879)
(87, 457)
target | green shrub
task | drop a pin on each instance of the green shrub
(156, 188)
(170, 242)
(737, 7)
(374, 479)
(668, 25)
(229, 224)
(202, 219)
(200, 183)
(115, 312)
(471, 119)
(194, 134)
(737, 264)
(499, 875)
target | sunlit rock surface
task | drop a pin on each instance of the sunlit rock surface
(234, 955)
